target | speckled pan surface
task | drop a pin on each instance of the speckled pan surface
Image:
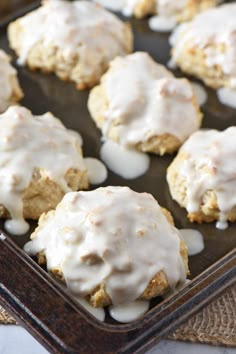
(50, 314)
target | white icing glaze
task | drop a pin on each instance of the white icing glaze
(216, 27)
(130, 7)
(28, 142)
(111, 235)
(7, 74)
(162, 24)
(114, 5)
(129, 312)
(227, 96)
(171, 64)
(125, 6)
(97, 172)
(125, 162)
(76, 135)
(175, 36)
(170, 8)
(97, 312)
(194, 241)
(222, 224)
(200, 93)
(16, 227)
(145, 100)
(165, 8)
(209, 165)
(2, 237)
(78, 27)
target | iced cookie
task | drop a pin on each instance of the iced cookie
(10, 91)
(111, 246)
(75, 40)
(40, 161)
(137, 8)
(181, 10)
(202, 177)
(206, 46)
(140, 104)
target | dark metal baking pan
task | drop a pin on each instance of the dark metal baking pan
(9, 7)
(42, 305)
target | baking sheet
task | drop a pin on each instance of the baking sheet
(9, 7)
(47, 93)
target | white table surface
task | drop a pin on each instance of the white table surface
(15, 340)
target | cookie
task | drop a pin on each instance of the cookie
(202, 177)
(206, 46)
(111, 245)
(75, 40)
(40, 161)
(137, 8)
(181, 11)
(140, 104)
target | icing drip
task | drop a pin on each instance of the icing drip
(28, 143)
(2, 237)
(97, 172)
(128, 312)
(125, 6)
(227, 96)
(200, 93)
(162, 24)
(112, 236)
(171, 64)
(17, 226)
(194, 241)
(126, 163)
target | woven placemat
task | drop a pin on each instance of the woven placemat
(5, 318)
(215, 324)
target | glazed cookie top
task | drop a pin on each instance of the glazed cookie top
(7, 73)
(112, 236)
(214, 32)
(144, 100)
(208, 165)
(165, 8)
(125, 6)
(169, 8)
(78, 27)
(27, 143)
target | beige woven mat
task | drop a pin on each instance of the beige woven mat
(215, 324)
